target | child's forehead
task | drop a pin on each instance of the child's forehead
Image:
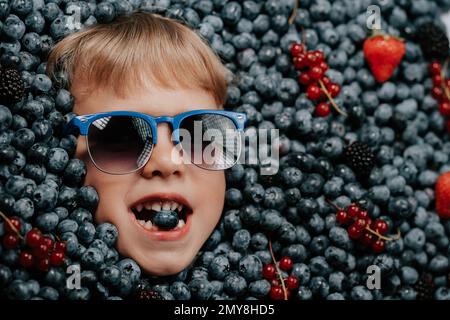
(153, 100)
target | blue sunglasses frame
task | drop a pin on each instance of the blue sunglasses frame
(83, 122)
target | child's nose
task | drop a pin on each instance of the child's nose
(165, 159)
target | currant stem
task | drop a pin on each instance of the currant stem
(10, 224)
(333, 103)
(278, 270)
(332, 204)
(396, 237)
(294, 12)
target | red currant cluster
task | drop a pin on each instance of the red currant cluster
(278, 290)
(39, 251)
(361, 227)
(441, 90)
(319, 87)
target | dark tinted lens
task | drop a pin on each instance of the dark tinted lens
(211, 141)
(120, 144)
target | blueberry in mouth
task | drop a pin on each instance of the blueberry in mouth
(160, 214)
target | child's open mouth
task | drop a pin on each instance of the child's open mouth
(161, 214)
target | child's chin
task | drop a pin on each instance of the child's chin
(163, 268)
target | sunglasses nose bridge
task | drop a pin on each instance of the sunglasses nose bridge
(168, 120)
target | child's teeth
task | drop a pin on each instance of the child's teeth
(148, 225)
(148, 205)
(141, 222)
(139, 207)
(156, 206)
(180, 223)
(173, 205)
(180, 207)
(166, 205)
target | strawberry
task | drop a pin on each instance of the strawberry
(383, 53)
(443, 195)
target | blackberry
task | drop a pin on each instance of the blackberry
(149, 295)
(433, 41)
(360, 158)
(425, 288)
(12, 88)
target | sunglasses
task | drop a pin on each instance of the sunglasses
(122, 142)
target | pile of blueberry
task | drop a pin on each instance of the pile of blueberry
(281, 236)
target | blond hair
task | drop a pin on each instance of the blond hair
(124, 54)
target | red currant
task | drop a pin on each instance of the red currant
(26, 259)
(437, 80)
(15, 222)
(311, 59)
(380, 226)
(437, 93)
(435, 68)
(41, 251)
(334, 89)
(296, 49)
(363, 214)
(304, 78)
(324, 66)
(300, 62)
(378, 246)
(56, 258)
(444, 108)
(354, 232)
(276, 293)
(313, 92)
(367, 238)
(360, 223)
(316, 73)
(326, 81)
(10, 241)
(323, 109)
(43, 265)
(33, 238)
(342, 217)
(47, 241)
(353, 210)
(286, 263)
(60, 246)
(320, 56)
(269, 271)
(292, 282)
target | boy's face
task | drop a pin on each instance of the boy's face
(157, 252)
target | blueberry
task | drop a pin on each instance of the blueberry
(107, 233)
(241, 240)
(271, 220)
(47, 222)
(259, 288)
(18, 290)
(442, 293)
(48, 293)
(415, 239)
(201, 289)
(250, 267)
(129, 269)
(45, 197)
(361, 293)
(235, 285)
(74, 172)
(86, 233)
(180, 291)
(165, 219)
(110, 275)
